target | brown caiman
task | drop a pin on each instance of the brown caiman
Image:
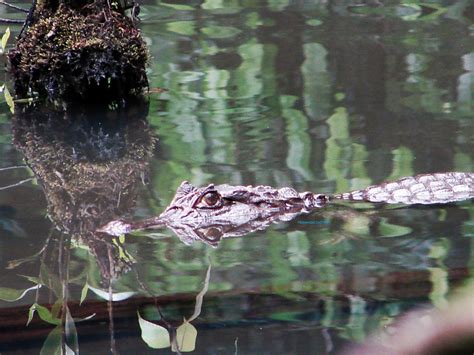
(216, 211)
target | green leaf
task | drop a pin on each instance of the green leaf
(84, 293)
(116, 296)
(33, 279)
(78, 320)
(9, 100)
(5, 38)
(50, 280)
(52, 344)
(155, 336)
(71, 333)
(56, 309)
(186, 335)
(12, 295)
(200, 296)
(44, 314)
(390, 230)
(31, 313)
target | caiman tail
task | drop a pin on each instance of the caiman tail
(420, 189)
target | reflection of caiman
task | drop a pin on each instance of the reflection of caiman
(212, 212)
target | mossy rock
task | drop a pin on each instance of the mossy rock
(81, 54)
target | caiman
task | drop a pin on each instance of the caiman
(216, 211)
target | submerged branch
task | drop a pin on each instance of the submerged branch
(7, 20)
(16, 184)
(14, 7)
(13, 167)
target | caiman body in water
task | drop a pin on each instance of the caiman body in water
(216, 211)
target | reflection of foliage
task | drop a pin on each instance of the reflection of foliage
(181, 338)
(57, 273)
(4, 89)
(89, 169)
(367, 98)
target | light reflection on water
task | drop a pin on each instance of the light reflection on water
(321, 98)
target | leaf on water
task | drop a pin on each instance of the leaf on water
(12, 295)
(52, 344)
(186, 335)
(155, 336)
(9, 100)
(5, 38)
(118, 296)
(84, 293)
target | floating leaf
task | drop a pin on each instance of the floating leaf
(186, 335)
(9, 100)
(5, 38)
(155, 336)
(12, 295)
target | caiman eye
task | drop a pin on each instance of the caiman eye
(209, 200)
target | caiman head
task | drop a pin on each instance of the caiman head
(216, 211)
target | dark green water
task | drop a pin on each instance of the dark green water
(321, 97)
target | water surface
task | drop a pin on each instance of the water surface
(325, 97)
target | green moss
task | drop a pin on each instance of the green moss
(79, 55)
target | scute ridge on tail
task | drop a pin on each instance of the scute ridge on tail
(419, 189)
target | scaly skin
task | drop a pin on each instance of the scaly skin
(213, 212)
(420, 189)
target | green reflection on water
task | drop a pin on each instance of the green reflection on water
(316, 99)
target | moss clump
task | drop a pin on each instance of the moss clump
(86, 54)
